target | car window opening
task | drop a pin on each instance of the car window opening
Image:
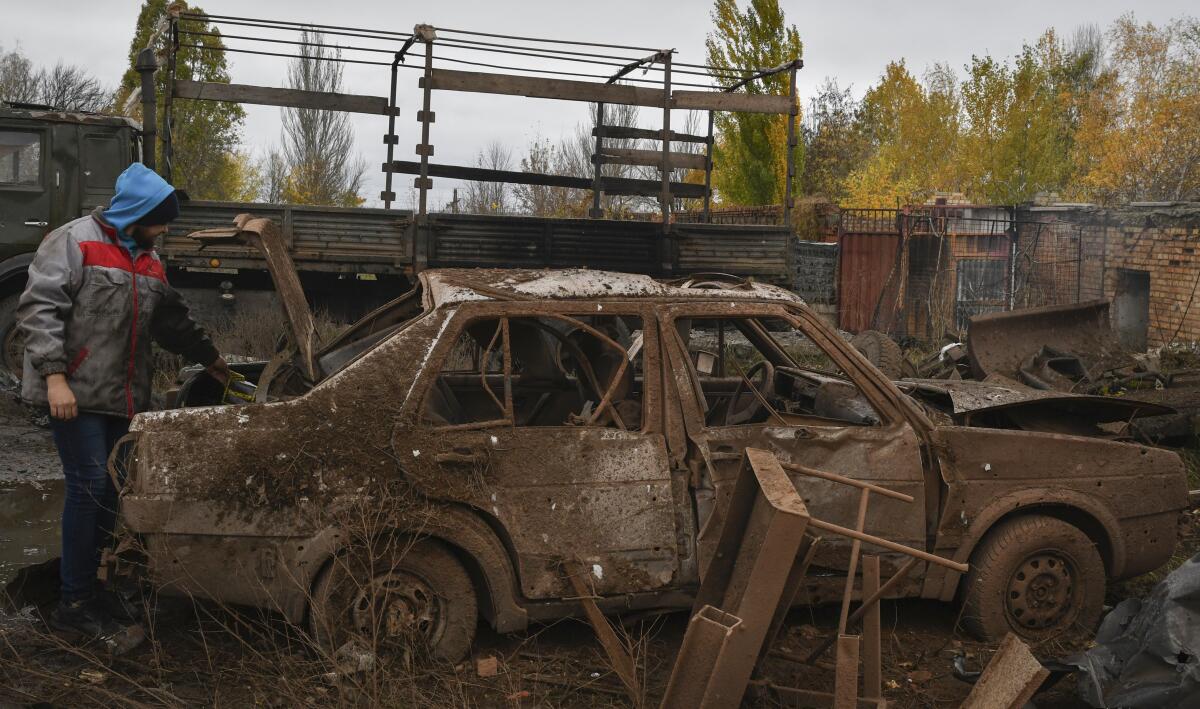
(548, 370)
(755, 370)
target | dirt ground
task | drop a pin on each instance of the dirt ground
(199, 654)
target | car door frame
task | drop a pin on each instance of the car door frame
(43, 193)
(904, 426)
(433, 448)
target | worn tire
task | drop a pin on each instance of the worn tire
(881, 351)
(12, 343)
(428, 602)
(1035, 576)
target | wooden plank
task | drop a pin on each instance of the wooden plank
(270, 96)
(610, 185)
(871, 631)
(647, 134)
(738, 103)
(654, 158)
(541, 87)
(1009, 680)
(845, 681)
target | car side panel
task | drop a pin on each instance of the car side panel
(1131, 494)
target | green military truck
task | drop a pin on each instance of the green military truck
(54, 166)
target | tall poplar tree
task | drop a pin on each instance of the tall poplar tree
(751, 150)
(206, 134)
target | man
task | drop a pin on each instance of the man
(97, 296)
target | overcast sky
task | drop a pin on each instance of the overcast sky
(850, 41)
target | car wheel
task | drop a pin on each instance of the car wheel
(881, 351)
(1035, 576)
(12, 339)
(402, 597)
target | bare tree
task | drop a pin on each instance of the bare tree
(18, 80)
(274, 171)
(70, 88)
(545, 158)
(490, 197)
(65, 87)
(318, 146)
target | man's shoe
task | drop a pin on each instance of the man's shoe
(86, 619)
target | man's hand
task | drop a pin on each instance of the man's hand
(219, 370)
(62, 399)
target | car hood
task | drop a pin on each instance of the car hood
(968, 397)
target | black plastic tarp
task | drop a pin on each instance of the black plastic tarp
(1147, 651)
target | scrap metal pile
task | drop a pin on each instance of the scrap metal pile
(1068, 359)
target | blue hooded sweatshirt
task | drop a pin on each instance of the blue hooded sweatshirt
(139, 189)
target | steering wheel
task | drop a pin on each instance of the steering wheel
(765, 386)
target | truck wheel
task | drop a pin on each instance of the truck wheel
(406, 597)
(12, 340)
(1035, 576)
(881, 351)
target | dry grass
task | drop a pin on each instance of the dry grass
(253, 332)
(205, 653)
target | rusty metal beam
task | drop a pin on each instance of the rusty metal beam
(748, 575)
(834, 477)
(891, 546)
(648, 134)
(693, 682)
(542, 87)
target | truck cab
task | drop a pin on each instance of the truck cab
(54, 166)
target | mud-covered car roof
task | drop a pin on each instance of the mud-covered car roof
(448, 286)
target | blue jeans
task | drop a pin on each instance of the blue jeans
(90, 506)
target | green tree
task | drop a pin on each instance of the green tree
(1019, 123)
(912, 132)
(751, 148)
(1139, 129)
(206, 134)
(834, 142)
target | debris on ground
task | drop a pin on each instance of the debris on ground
(1146, 652)
(1010, 680)
(487, 666)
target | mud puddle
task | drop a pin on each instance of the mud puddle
(29, 520)
(31, 491)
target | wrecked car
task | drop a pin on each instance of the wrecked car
(444, 458)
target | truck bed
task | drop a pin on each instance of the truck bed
(363, 240)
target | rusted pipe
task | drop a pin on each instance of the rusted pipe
(861, 611)
(834, 477)
(890, 545)
(855, 548)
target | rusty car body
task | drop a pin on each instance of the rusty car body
(516, 421)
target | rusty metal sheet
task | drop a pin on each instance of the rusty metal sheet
(265, 235)
(866, 262)
(999, 343)
(974, 397)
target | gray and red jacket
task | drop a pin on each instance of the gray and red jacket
(91, 309)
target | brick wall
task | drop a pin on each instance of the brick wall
(1067, 256)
